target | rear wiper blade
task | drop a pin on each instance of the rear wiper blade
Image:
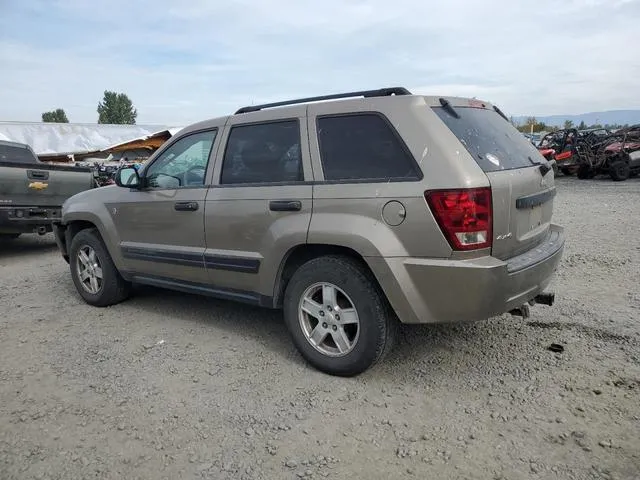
(544, 168)
(448, 107)
(501, 113)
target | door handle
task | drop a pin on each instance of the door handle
(285, 205)
(37, 175)
(186, 206)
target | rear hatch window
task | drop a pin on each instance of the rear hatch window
(10, 153)
(493, 142)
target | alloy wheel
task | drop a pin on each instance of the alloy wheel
(329, 319)
(89, 269)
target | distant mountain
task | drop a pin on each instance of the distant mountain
(610, 117)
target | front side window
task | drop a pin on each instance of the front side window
(263, 153)
(183, 164)
(362, 147)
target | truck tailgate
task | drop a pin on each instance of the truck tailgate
(41, 185)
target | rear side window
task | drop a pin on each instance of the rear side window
(492, 141)
(263, 153)
(363, 147)
(10, 153)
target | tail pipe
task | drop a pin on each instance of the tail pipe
(42, 230)
(545, 298)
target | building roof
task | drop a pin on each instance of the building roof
(77, 138)
(144, 140)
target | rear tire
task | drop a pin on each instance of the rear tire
(619, 171)
(368, 331)
(94, 274)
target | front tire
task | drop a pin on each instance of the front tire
(94, 274)
(585, 172)
(619, 171)
(337, 316)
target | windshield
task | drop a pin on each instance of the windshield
(492, 141)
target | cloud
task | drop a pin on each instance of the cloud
(184, 61)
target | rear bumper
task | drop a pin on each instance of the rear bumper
(29, 219)
(434, 291)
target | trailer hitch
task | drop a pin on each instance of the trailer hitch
(522, 311)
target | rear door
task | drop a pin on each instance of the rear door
(521, 179)
(260, 205)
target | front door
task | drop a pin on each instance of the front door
(161, 226)
(260, 206)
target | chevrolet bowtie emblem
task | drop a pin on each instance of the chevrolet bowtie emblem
(38, 185)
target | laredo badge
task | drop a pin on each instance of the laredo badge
(38, 185)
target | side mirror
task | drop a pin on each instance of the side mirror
(128, 177)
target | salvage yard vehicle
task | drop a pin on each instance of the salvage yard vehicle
(616, 155)
(104, 174)
(32, 192)
(558, 146)
(350, 215)
(568, 147)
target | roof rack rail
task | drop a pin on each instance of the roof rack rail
(381, 92)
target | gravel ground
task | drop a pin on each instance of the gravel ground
(169, 386)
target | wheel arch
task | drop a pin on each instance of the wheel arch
(78, 219)
(301, 254)
(73, 227)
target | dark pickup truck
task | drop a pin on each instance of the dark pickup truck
(32, 192)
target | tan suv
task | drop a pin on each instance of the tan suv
(347, 214)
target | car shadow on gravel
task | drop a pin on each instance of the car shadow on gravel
(415, 340)
(245, 322)
(267, 328)
(444, 351)
(24, 245)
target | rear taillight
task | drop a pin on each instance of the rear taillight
(464, 216)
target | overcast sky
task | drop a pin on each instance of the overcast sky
(183, 61)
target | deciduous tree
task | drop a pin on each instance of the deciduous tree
(55, 116)
(116, 108)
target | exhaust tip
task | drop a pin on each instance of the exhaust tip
(546, 298)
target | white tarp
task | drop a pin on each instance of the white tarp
(68, 138)
(171, 131)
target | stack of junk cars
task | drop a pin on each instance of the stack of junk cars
(588, 153)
